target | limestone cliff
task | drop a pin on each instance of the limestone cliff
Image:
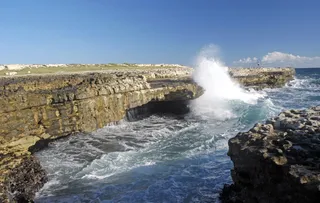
(262, 77)
(37, 109)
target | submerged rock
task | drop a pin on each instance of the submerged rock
(278, 161)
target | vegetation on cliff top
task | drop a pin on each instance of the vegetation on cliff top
(69, 68)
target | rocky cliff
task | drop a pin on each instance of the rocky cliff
(278, 161)
(36, 109)
(262, 77)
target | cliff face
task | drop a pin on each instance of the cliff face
(278, 161)
(262, 77)
(37, 109)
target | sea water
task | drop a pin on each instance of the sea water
(167, 158)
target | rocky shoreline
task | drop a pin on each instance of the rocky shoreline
(36, 109)
(278, 161)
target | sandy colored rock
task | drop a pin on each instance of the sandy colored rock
(39, 108)
(262, 77)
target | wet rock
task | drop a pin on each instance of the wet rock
(280, 166)
(25, 180)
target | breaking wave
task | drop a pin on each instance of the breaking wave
(220, 89)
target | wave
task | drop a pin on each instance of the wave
(213, 76)
(113, 163)
(304, 83)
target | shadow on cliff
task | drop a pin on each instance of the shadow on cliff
(177, 109)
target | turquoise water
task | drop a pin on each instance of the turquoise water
(163, 158)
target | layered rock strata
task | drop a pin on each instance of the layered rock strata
(262, 77)
(254, 77)
(278, 161)
(37, 109)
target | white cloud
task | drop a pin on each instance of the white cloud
(248, 60)
(281, 59)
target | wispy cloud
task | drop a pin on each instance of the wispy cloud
(248, 60)
(281, 59)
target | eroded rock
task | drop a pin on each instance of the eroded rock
(37, 109)
(282, 165)
(262, 77)
(24, 180)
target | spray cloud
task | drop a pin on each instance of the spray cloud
(220, 89)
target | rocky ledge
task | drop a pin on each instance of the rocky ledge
(36, 109)
(278, 161)
(259, 78)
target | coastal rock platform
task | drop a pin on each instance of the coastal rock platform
(260, 78)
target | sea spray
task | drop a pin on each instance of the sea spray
(211, 73)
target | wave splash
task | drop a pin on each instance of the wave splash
(211, 73)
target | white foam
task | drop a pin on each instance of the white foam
(212, 75)
(113, 163)
(298, 83)
(45, 189)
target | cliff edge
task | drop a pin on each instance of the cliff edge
(259, 78)
(35, 109)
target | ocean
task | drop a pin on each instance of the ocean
(164, 158)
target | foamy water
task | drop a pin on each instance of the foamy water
(168, 159)
(212, 75)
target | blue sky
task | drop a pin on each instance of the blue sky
(158, 31)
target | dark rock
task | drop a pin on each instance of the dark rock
(280, 166)
(25, 180)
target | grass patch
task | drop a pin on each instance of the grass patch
(74, 68)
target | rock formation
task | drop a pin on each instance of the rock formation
(254, 77)
(37, 109)
(278, 161)
(262, 77)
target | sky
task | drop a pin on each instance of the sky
(273, 32)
